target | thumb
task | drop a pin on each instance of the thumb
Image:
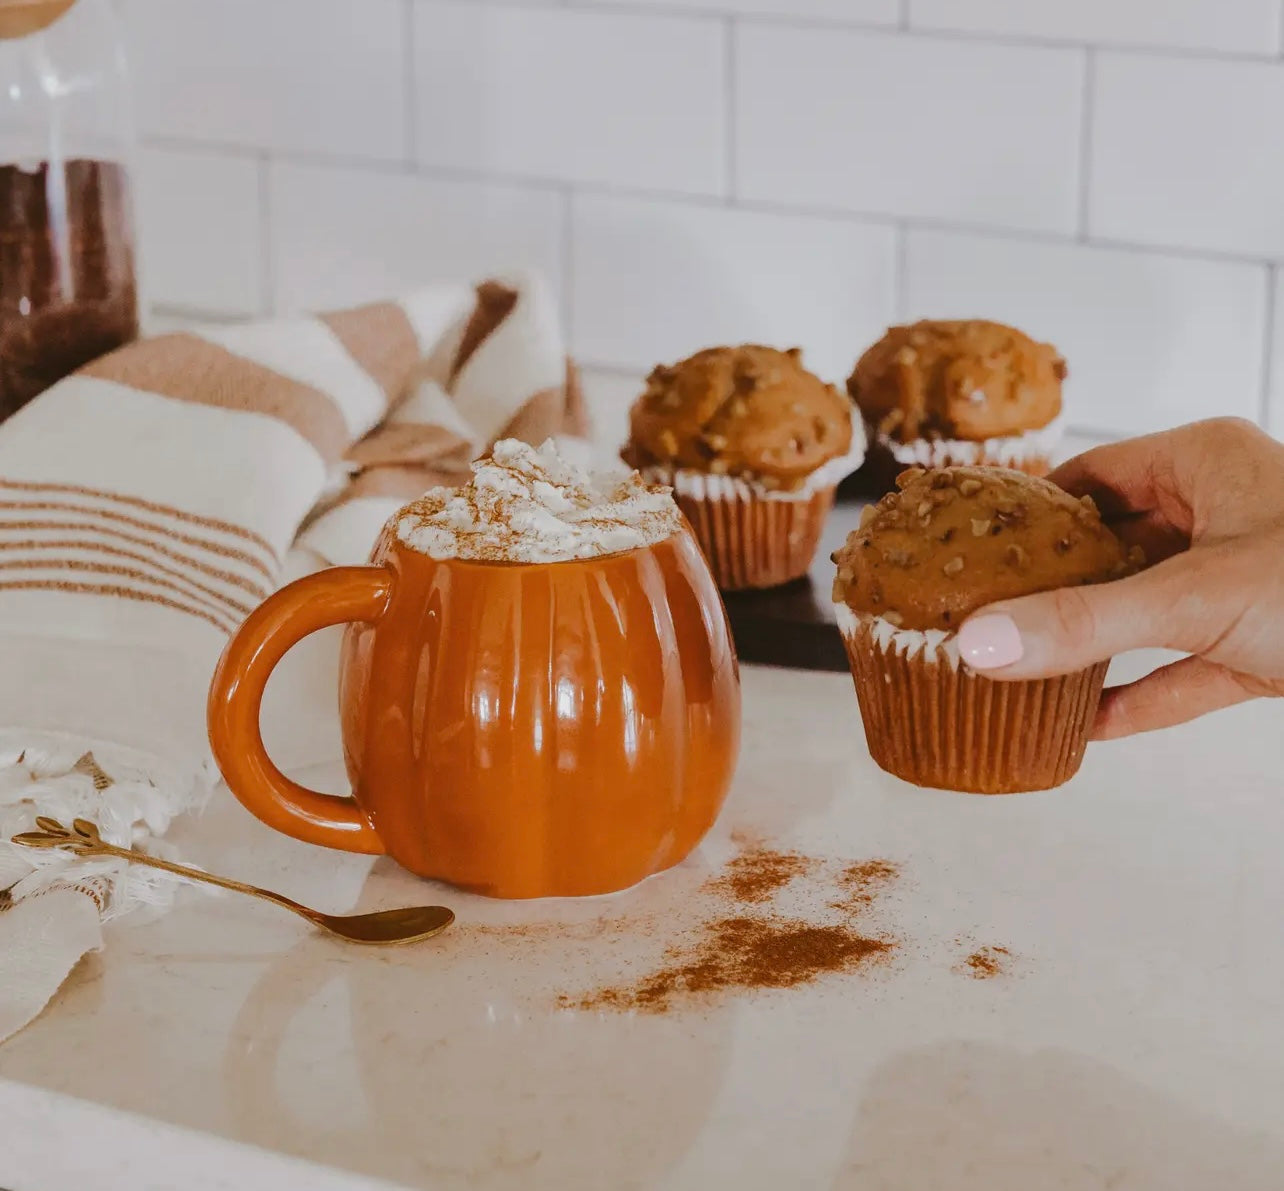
(1071, 628)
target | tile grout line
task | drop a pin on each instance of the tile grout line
(730, 123)
(267, 241)
(397, 168)
(783, 20)
(568, 267)
(1086, 121)
(410, 66)
(1268, 348)
(900, 283)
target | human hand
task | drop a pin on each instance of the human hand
(1206, 503)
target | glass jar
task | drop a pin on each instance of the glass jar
(68, 285)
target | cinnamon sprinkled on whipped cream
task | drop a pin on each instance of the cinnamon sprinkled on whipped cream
(529, 505)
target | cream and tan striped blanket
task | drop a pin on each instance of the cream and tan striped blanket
(150, 501)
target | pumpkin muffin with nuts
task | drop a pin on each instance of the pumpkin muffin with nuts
(753, 446)
(943, 545)
(945, 392)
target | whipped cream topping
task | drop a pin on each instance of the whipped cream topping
(532, 505)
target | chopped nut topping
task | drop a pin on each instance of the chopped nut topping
(668, 443)
(717, 442)
(906, 356)
(893, 618)
(867, 514)
(1089, 504)
(737, 408)
(908, 475)
(954, 566)
(1015, 556)
(970, 487)
(925, 508)
(899, 558)
(892, 419)
(980, 528)
(671, 400)
(943, 479)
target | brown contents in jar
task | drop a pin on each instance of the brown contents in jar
(68, 292)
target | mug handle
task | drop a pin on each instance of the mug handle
(314, 602)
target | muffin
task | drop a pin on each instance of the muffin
(753, 446)
(927, 556)
(939, 393)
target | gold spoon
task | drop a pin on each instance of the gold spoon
(407, 925)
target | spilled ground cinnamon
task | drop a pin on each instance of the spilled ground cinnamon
(987, 962)
(755, 948)
(860, 882)
(758, 873)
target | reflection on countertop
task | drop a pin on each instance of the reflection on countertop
(1129, 1040)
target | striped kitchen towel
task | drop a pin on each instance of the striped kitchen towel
(150, 501)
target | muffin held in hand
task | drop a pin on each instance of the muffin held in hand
(940, 393)
(754, 446)
(926, 557)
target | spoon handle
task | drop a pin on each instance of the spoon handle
(195, 874)
(85, 841)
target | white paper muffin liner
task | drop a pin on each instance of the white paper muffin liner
(936, 645)
(1010, 451)
(932, 721)
(704, 486)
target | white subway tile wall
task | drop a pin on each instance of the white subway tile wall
(1189, 153)
(307, 76)
(910, 126)
(577, 96)
(343, 235)
(859, 12)
(1232, 26)
(1151, 340)
(1105, 173)
(652, 282)
(201, 229)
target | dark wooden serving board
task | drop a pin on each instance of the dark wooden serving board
(794, 625)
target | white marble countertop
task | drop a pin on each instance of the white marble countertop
(1135, 1041)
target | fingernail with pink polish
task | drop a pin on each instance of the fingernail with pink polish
(991, 641)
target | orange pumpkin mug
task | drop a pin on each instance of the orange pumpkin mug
(517, 729)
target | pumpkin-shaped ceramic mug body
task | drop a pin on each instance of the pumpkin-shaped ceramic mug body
(516, 729)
